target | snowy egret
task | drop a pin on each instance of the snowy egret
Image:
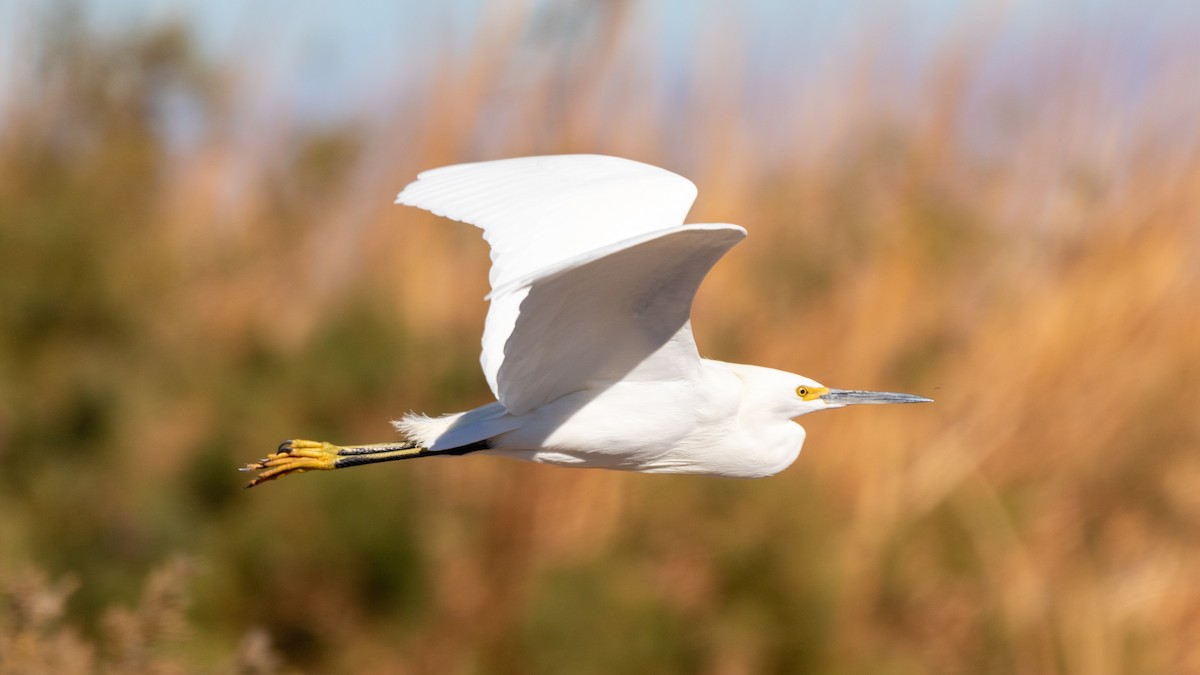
(588, 342)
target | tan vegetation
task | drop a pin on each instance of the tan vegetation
(169, 310)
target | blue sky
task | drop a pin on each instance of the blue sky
(323, 60)
(324, 56)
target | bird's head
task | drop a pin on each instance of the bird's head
(776, 392)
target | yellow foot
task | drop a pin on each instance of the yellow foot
(296, 456)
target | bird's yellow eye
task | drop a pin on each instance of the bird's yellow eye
(811, 393)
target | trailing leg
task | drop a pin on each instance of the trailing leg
(298, 456)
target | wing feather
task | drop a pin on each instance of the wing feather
(537, 211)
(593, 272)
(620, 316)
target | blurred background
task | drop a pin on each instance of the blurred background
(996, 204)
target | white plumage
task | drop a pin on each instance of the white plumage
(588, 345)
(578, 242)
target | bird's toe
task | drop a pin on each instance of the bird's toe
(293, 456)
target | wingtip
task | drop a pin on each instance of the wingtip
(406, 194)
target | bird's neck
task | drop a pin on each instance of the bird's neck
(771, 440)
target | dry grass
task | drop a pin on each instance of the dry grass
(36, 637)
(167, 314)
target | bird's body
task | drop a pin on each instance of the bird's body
(652, 427)
(588, 345)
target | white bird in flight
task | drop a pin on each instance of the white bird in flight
(588, 341)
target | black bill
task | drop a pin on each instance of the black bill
(854, 397)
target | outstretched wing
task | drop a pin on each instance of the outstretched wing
(593, 272)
